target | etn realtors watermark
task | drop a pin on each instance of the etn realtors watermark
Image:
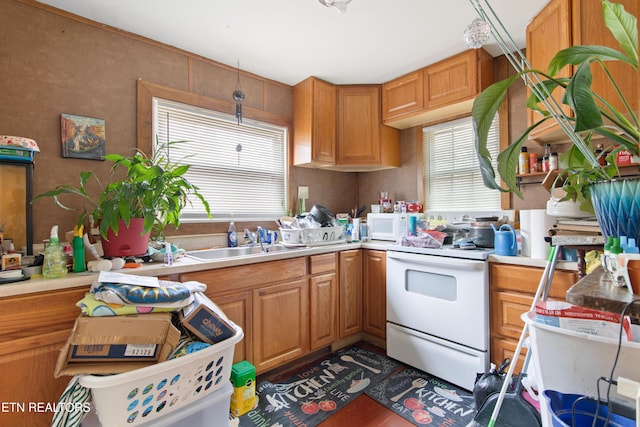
(52, 407)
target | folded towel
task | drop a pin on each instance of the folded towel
(168, 294)
(90, 306)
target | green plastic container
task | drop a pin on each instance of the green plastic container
(243, 379)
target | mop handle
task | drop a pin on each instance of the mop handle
(525, 330)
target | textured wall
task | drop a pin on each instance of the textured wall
(53, 63)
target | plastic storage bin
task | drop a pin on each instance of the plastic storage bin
(210, 411)
(571, 362)
(563, 413)
(149, 395)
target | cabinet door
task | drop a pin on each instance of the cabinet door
(506, 309)
(502, 348)
(323, 298)
(280, 323)
(588, 29)
(359, 125)
(350, 292)
(452, 80)
(402, 96)
(548, 32)
(375, 293)
(237, 307)
(314, 123)
(33, 329)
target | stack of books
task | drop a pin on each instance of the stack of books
(576, 227)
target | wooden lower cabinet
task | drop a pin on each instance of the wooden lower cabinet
(350, 294)
(512, 289)
(323, 300)
(238, 307)
(280, 323)
(33, 329)
(375, 293)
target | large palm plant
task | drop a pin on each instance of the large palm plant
(591, 114)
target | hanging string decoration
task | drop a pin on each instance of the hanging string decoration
(238, 97)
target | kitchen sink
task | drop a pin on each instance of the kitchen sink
(220, 253)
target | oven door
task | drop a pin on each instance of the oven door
(440, 296)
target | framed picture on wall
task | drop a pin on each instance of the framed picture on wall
(82, 137)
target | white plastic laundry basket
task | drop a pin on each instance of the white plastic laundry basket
(571, 362)
(143, 395)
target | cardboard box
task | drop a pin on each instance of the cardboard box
(205, 320)
(110, 345)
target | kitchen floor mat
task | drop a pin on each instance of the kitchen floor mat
(423, 399)
(318, 391)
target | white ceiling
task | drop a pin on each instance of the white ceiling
(290, 40)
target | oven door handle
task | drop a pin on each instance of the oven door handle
(426, 260)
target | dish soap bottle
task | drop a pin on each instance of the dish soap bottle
(232, 236)
(55, 260)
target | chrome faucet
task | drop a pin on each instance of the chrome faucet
(255, 238)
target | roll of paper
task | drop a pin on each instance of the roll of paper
(525, 232)
(540, 225)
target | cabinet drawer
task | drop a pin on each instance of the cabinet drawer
(526, 279)
(232, 279)
(324, 263)
(506, 309)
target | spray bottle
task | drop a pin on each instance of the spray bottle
(55, 260)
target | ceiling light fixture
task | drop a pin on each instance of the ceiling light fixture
(339, 5)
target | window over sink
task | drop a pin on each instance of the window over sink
(241, 170)
(452, 178)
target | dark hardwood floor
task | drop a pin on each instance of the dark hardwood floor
(362, 412)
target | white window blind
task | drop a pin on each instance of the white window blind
(240, 169)
(452, 177)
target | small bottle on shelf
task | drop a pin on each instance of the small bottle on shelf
(545, 159)
(533, 162)
(601, 155)
(523, 163)
(553, 161)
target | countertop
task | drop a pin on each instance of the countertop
(186, 264)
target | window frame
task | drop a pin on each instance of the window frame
(147, 91)
(423, 162)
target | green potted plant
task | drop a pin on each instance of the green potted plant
(580, 172)
(150, 197)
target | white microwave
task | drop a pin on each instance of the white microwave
(389, 226)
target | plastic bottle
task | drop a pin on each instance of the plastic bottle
(545, 158)
(533, 162)
(523, 161)
(168, 255)
(553, 161)
(232, 236)
(55, 260)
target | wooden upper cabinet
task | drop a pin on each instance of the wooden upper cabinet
(548, 33)
(457, 79)
(402, 96)
(442, 91)
(564, 23)
(364, 143)
(314, 123)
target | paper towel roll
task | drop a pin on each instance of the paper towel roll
(540, 225)
(525, 232)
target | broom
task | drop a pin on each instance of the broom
(543, 289)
